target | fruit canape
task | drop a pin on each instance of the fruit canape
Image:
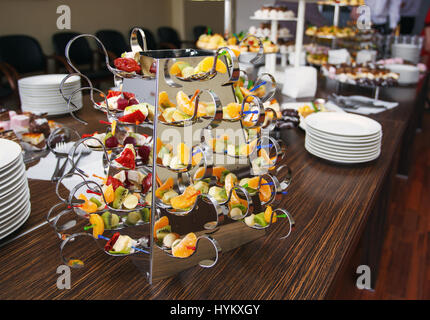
(122, 192)
(168, 240)
(179, 160)
(132, 157)
(117, 139)
(184, 70)
(261, 220)
(183, 109)
(129, 109)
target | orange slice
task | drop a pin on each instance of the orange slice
(217, 171)
(168, 184)
(88, 206)
(230, 181)
(197, 158)
(183, 153)
(264, 189)
(159, 145)
(163, 100)
(199, 173)
(186, 246)
(176, 69)
(268, 213)
(185, 200)
(98, 225)
(207, 63)
(109, 194)
(160, 223)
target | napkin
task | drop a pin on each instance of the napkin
(300, 82)
(91, 163)
(370, 110)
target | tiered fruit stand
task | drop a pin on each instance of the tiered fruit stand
(209, 221)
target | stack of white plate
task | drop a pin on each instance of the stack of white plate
(40, 94)
(343, 137)
(14, 192)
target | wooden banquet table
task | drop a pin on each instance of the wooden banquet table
(338, 209)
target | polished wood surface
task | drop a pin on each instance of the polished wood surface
(404, 270)
(331, 205)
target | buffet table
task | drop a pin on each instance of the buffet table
(337, 209)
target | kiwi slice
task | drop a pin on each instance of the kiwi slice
(106, 216)
(114, 220)
(132, 218)
(120, 194)
(162, 232)
(146, 214)
(259, 219)
(108, 135)
(96, 201)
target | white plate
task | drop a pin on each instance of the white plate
(12, 166)
(47, 80)
(342, 153)
(5, 186)
(18, 186)
(50, 113)
(9, 152)
(7, 213)
(16, 224)
(343, 124)
(342, 148)
(337, 160)
(342, 156)
(7, 174)
(344, 139)
(342, 144)
(53, 104)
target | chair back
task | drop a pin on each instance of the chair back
(169, 35)
(22, 52)
(151, 43)
(198, 31)
(113, 41)
(80, 51)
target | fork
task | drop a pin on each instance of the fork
(60, 151)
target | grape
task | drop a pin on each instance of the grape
(111, 142)
(130, 140)
(132, 102)
(122, 103)
(144, 152)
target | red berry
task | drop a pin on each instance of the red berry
(147, 183)
(130, 140)
(132, 102)
(122, 103)
(144, 152)
(111, 142)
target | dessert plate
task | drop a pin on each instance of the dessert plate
(351, 140)
(341, 159)
(10, 152)
(343, 124)
(6, 230)
(342, 151)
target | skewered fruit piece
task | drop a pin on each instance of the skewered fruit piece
(133, 218)
(120, 194)
(111, 220)
(169, 239)
(98, 225)
(160, 223)
(185, 247)
(162, 232)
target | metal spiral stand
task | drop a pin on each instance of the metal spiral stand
(208, 218)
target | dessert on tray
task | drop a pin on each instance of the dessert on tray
(274, 12)
(331, 32)
(361, 74)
